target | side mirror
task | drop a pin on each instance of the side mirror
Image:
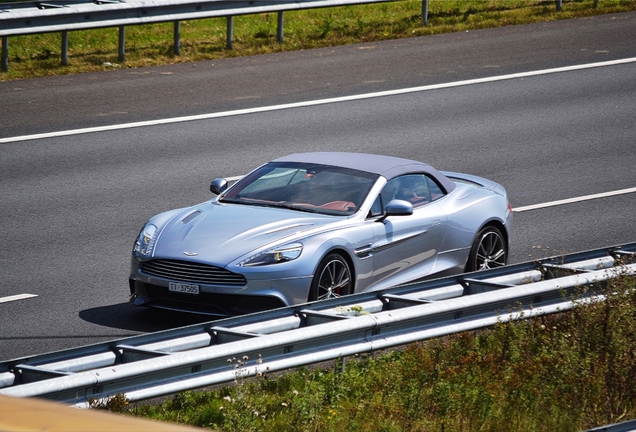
(218, 186)
(399, 208)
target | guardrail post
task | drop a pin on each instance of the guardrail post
(64, 48)
(5, 53)
(230, 29)
(281, 20)
(177, 38)
(425, 12)
(122, 44)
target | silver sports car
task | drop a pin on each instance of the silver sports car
(312, 226)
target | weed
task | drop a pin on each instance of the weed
(118, 403)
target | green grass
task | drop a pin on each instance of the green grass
(150, 45)
(563, 372)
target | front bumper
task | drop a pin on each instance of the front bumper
(224, 295)
(215, 304)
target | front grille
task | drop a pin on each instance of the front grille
(191, 272)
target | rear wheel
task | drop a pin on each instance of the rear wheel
(332, 279)
(489, 251)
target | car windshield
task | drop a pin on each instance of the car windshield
(304, 187)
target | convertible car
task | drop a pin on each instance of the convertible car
(312, 226)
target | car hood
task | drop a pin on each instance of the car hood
(220, 233)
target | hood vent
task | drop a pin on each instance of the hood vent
(191, 216)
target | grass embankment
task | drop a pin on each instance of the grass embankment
(150, 45)
(564, 372)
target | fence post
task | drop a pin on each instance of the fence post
(177, 38)
(5, 53)
(281, 20)
(425, 12)
(230, 29)
(121, 53)
(64, 48)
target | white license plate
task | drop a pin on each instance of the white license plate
(183, 288)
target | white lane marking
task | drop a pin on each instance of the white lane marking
(315, 102)
(574, 200)
(16, 297)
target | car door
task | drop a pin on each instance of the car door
(406, 246)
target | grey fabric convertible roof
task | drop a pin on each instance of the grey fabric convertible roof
(386, 166)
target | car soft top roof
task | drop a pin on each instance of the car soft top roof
(387, 166)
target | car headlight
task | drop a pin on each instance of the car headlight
(146, 240)
(275, 256)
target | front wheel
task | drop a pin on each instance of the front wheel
(489, 251)
(332, 279)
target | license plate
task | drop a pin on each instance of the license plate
(183, 288)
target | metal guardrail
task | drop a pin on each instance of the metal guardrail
(626, 426)
(24, 18)
(167, 362)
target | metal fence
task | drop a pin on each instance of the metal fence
(168, 362)
(25, 18)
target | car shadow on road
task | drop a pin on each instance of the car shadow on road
(127, 317)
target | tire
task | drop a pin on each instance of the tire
(332, 279)
(489, 251)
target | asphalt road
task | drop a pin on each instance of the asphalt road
(71, 205)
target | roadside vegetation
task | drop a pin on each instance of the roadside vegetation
(564, 372)
(151, 45)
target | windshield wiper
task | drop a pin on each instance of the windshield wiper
(244, 201)
(235, 201)
(293, 207)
